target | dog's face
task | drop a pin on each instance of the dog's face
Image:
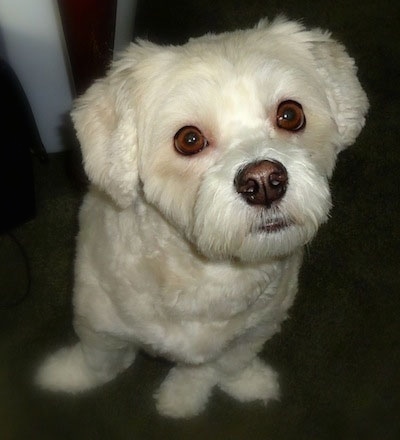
(232, 137)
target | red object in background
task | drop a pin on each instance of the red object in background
(89, 28)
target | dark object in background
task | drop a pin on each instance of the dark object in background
(18, 137)
(89, 28)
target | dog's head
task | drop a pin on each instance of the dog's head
(233, 137)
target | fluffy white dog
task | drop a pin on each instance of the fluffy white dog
(209, 165)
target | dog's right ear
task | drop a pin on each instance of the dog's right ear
(104, 120)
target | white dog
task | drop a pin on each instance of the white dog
(209, 165)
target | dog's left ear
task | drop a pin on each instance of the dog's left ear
(105, 125)
(347, 99)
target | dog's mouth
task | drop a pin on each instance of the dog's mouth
(274, 225)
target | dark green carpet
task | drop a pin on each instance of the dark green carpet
(339, 354)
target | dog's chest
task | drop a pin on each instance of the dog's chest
(216, 292)
(191, 315)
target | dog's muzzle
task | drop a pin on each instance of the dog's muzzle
(262, 183)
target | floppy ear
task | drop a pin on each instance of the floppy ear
(338, 71)
(105, 124)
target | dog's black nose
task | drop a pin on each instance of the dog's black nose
(262, 182)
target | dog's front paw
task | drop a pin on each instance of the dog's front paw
(185, 391)
(256, 382)
(66, 370)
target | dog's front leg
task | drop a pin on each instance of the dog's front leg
(256, 381)
(185, 390)
(242, 374)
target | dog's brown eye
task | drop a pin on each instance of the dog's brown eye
(290, 116)
(189, 140)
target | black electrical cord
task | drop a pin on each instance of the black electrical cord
(25, 294)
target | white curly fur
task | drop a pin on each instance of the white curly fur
(170, 258)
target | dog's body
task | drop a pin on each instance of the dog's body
(210, 166)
